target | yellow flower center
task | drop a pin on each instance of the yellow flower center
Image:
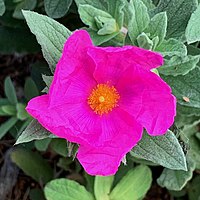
(103, 98)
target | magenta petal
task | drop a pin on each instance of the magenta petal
(74, 57)
(51, 119)
(148, 98)
(75, 122)
(105, 160)
(144, 101)
(111, 62)
(76, 90)
(145, 58)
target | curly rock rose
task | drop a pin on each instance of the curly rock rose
(102, 98)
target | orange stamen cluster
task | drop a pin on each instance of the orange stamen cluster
(103, 98)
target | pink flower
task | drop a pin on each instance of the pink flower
(102, 98)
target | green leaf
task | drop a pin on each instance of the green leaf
(122, 171)
(139, 19)
(100, 4)
(192, 32)
(191, 129)
(102, 187)
(59, 146)
(194, 51)
(149, 4)
(6, 126)
(133, 185)
(98, 20)
(185, 116)
(32, 164)
(179, 65)
(24, 5)
(42, 145)
(21, 112)
(172, 47)
(64, 189)
(188, 111)
(57, 8)
(143, 161)
(194, 151)
(190, 132)
(50, 35)
(158, 26)
(186, 88)
(193, 188)
(178, 194)
(100, 39)
(115, 8)
(178, 14)
(198, 135)
(37, 69)
(2, 7)
(164, 150)
(2, 113)
(4, 101)
(10, 90)
(9, 109)
(47, 79)
(176, 179)
(17, 40)
(64, 163)
(144, 41)
(34, 131)
(30, 89)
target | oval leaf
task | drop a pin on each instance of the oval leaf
(178, 14)
(139, 19)
(186, 88)
(176, 179)
(164, 150)
(133, 185)
(57, 8)
(6, 126)
(32, 164)
(2, 7)
(193, 28)
(50, 34)
(30, 89)
(10, 91)
(24, 5)
(34, 131)
(179, 65)
(158, 26)
(102, 186)
(64, 189)
(172, 47)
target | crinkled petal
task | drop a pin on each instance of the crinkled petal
(71, 112)
(106, 159)
(111, 62)
(148, 98)
(78, 123)
(51, 119)
(73, 58)
(77, 89)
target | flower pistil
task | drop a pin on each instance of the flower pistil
(103, 98)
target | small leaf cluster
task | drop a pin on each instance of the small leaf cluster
(133, 185)
(14, 109)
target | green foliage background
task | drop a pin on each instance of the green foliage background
(170, 27)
